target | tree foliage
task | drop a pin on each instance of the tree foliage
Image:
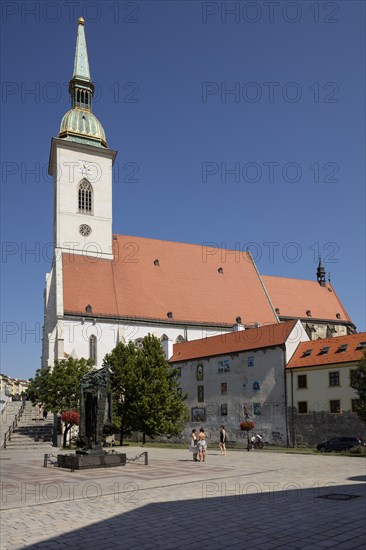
(145, 390)
(358, 383)
(57, 388)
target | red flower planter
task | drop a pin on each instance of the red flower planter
(247, 426)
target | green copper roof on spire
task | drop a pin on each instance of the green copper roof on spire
(81, 64)
(79, 124)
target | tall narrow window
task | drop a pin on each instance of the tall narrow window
(334, 378)
(93, 349)
(85, 196)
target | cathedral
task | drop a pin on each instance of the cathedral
(104, 287)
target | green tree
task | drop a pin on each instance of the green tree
(358, 383)
(124, 382)
(57, 388)
(145, 388)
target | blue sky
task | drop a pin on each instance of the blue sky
(236, 123)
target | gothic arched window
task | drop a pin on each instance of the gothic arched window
(93, 349)
(85, 197)
(139, 343)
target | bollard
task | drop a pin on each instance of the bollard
(45, 460)
(146, 459)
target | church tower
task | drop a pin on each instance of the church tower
(81, 165)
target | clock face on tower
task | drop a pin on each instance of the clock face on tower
(85, 230)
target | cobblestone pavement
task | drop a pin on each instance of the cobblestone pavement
(259, 499)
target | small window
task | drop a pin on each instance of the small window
(302, 407)
(361, 345)
(223, 388)
(257, 409)
(200, 394)
(335, 406)
(307, 352)
(324, 350)
(302, 382)
(179, 371)
(93, 349)
(180, 339)
(354, 405)
(342, 348)
(250, 361)
(256, 386)
(223, 366)
(224, 409)
(334, 378)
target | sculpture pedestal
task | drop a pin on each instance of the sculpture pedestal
(92, 460)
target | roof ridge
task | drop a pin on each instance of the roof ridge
(180, 242)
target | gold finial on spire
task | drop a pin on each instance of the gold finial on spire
(81, 21)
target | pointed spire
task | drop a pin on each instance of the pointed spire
(320, 273)
(79, 124)
(81, 64)
(81, 87)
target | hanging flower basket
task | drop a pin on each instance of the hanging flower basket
(247, 426)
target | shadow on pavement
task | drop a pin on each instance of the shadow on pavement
(228, 515)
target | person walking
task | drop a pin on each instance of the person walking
(223, 438)
(193, 445)
(201, 445)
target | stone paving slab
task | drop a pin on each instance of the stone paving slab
(258, 500)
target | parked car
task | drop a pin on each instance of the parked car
(339, 444)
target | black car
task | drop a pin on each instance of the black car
(339, 444)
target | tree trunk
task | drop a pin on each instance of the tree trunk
(143, 438)
(121, 434)
(66, 431)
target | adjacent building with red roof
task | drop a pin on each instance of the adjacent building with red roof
(239, 375)
(322, 403)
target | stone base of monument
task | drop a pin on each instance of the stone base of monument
(85, 461)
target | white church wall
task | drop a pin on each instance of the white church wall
(77, 334)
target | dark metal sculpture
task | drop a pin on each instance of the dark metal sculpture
(95, 409)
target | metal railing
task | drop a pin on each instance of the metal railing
(14, 424)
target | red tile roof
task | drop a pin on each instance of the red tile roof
(294, 297)
(332, 356)
(231, 342)
(186, 282)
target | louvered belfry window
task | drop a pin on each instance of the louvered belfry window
(85, 197)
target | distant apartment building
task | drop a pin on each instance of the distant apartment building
(320, 397)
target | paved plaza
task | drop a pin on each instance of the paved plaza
(256, 499)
